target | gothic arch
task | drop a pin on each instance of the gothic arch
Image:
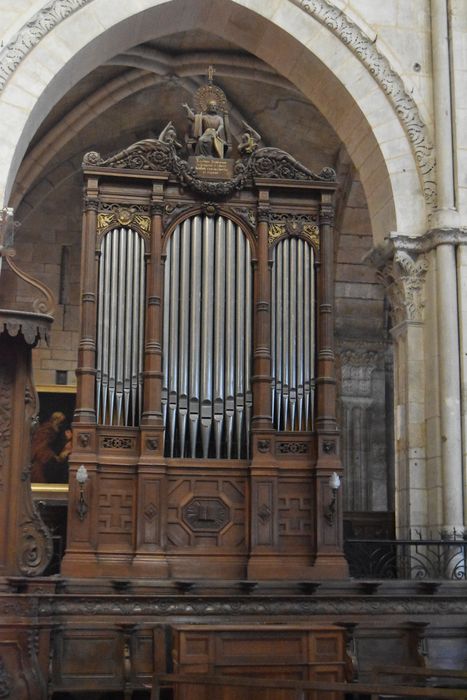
(302, 46)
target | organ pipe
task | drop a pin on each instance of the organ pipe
(207, 340)
(292, 335)
(120, 328)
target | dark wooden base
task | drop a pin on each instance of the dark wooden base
(111, 634)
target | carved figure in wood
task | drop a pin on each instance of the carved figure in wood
(208, 130)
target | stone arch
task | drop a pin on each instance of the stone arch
(298, 45)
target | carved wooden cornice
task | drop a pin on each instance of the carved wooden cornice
(155, 155)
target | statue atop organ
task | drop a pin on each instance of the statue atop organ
(208, 135)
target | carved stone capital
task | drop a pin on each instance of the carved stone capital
(357, 367)
(404, 279)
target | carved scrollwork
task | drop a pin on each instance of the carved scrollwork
(277, 164)
(380, 68)
(292, 448)
(35, 546)
(45, 305)
(117, 443)
(153, 154)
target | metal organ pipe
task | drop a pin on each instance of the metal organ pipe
(120, 328)
(292, 339)
(207, 339)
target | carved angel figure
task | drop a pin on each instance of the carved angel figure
(168, 135)
(249, 140)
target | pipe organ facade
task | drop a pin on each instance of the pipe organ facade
(120, 328)
(206, 397)
(293, 335)
(207, 341)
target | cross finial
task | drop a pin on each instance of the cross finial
(210, 74)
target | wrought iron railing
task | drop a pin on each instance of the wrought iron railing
(413, 559)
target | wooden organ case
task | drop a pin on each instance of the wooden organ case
(205, 419)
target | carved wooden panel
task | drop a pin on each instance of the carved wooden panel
(115, 511)
(20, 675)
(294, 514)
(88, 658)
(206, 512)
(264, 507)
(272, 651)
(6, 397)
(150, 511)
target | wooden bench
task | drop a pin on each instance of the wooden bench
(250, 688)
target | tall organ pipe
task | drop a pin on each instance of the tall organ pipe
(120, 328)
(292, 341)
(207, 311)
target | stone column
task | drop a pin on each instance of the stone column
(462, 296)
(404, 278)
(449, 376)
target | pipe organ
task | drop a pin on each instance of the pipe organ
(293, 335)
(120, 328)
(205, 414)
(206, 386)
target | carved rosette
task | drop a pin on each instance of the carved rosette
(404, 279)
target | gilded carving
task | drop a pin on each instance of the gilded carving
(123, 216)
(304, 225)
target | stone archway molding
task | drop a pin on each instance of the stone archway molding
(324, 12)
